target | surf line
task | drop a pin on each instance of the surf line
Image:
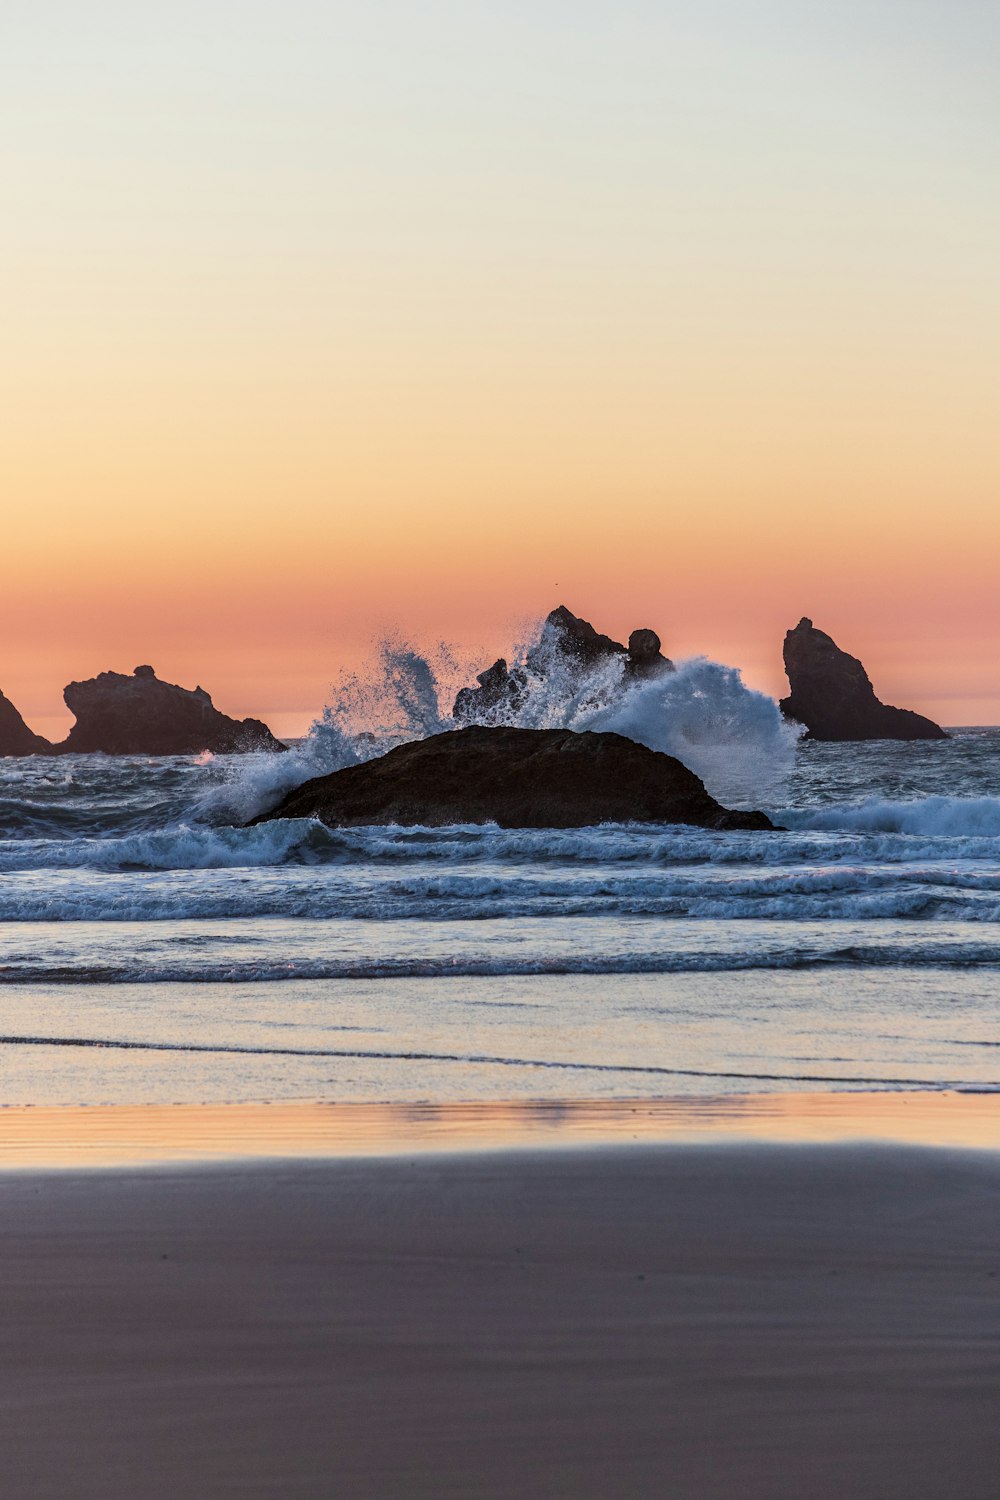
(485, 1059)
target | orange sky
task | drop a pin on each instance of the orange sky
(350, 319)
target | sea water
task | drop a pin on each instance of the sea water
(152, 949)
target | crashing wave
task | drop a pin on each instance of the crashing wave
(929, 817)
(703, 713)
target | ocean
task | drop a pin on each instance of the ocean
(153, 950)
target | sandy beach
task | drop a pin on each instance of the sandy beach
(754, 1321)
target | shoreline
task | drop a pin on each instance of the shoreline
(94, 1137)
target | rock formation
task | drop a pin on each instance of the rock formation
(831, 694)
(15, 736)
(140, 715)
(501, 691)
(496, 699)
(517, 778)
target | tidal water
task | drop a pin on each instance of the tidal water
(152, 950)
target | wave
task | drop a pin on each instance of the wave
(99, 795)
(731, 736)
(466, 1059)
(179, 848)
(936, 817)
(202, 969)
(477, 894)
(869, 836)
(734, 738)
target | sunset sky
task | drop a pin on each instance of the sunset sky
(323, 318)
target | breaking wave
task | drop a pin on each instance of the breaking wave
(480, 893)
(866, 844)
(932, 817)
(731, 736)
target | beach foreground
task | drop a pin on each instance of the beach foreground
(724, 1320)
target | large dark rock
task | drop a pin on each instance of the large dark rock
(831, 694)
(140, 715)
(15, 736)
(518, 778)
(577, 644)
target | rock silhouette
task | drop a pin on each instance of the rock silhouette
(832, 695)
(140, 715)
(517, 778)
(15, 736)
(565, 635)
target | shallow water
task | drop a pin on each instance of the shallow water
(58, 1138)
(149, 949)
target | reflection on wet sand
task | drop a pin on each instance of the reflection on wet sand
(125, 1135)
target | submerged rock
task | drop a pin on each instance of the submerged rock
(831, 694)
(15, 736)
(576, 643)
(140, 715)
(517, 778)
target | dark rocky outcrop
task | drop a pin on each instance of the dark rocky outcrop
(575, 638)
(578, 644)
(831, 694)
(518, 778)
(15, 736)
(140, 715)
(644, 658)
(498, 696)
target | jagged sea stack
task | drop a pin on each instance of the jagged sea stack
(576, 643)
(831, 694)
(140, 715)
(15, 736)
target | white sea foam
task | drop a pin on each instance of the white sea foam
(934, 817)
(838, 842)
(287, 883)
(734, 738)
(397, 698)
(183, 847)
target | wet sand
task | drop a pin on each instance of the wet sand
(123, 1135)
(756, 1321)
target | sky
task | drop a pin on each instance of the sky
(324, 319)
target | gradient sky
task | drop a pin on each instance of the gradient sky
(321, 318)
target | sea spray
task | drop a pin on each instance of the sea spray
(397, 697)
(734, 738)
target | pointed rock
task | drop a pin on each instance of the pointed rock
(575, 638)
(15, 736)
(500, 691)
(832, 695)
